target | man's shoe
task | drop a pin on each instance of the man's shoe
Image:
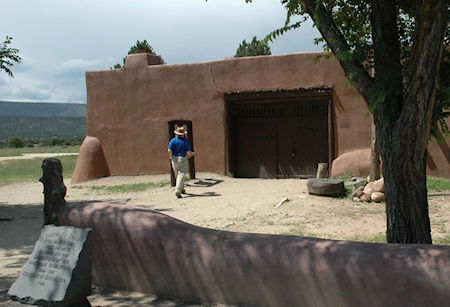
(178, 194)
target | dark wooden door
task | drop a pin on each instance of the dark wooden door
(256, 153)
(275, 140)
(302, 144)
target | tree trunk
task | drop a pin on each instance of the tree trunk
(404, 171)
(402, 114)
(403, 125)
(375, 163)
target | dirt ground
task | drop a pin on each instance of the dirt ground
(213, 201)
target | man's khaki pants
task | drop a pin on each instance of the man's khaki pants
(180, 167)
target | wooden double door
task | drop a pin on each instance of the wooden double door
(279, 140)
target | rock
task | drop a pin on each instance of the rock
(325, 186)
(369, 188)
(356, 199)
(356, 191)
(360, 182)
(377, 197)
(378, 186)
(365, 197)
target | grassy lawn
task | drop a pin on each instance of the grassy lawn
(12, 171)
(12, 152)
(132, 187)
(438, 184)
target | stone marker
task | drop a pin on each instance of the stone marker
(58, 272)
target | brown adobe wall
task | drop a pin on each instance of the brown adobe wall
(438, 162)
(146, 251)
(128, 109)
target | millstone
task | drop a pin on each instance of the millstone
(325, 186)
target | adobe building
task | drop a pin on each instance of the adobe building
(265, 116)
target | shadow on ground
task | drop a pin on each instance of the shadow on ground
(205, 183)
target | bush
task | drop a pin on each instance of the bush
(16, 142)
(62, 141)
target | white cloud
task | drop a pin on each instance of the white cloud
(61, 40)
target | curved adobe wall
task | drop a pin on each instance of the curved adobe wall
(142, 250)
(128, 109)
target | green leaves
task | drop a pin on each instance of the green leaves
(139, 47)
(279, 32)
(254, 48)
(8, 56)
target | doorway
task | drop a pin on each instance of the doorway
(279, 135)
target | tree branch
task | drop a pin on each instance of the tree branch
(388, 69)
(354, 70)
(431, 25)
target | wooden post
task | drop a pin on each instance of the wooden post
(322, 170)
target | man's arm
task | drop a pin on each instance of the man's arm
(170, 153)
(189, 154)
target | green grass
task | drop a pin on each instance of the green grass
(14, 152)
(301, 232)
(442, 241)
(134, 187)
(12, 171)
(380, 238)
(346, 176)
(438, 184)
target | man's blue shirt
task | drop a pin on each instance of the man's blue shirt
(179, 146)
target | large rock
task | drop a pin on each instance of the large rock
(91, 162)
(325, 186)
(377, 197)
(365, 197)
(357, 192)
(378, 186)
(369, 188)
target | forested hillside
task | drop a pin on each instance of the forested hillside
(35, 109)
(38, 122)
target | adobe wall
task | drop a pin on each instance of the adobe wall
(128, 109)
(146, 251)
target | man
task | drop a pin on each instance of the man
(179, 151)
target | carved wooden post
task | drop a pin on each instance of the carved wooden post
(54, 189)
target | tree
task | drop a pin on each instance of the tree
(254, 48)
(139, 47)
(402, 41)
(8, 56)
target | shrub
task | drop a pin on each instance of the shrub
(16, 142)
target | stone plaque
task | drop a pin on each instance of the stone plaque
(58, 271)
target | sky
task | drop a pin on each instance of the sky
(59, 40)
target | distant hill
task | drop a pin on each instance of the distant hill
(39, 127)
(42, 109)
